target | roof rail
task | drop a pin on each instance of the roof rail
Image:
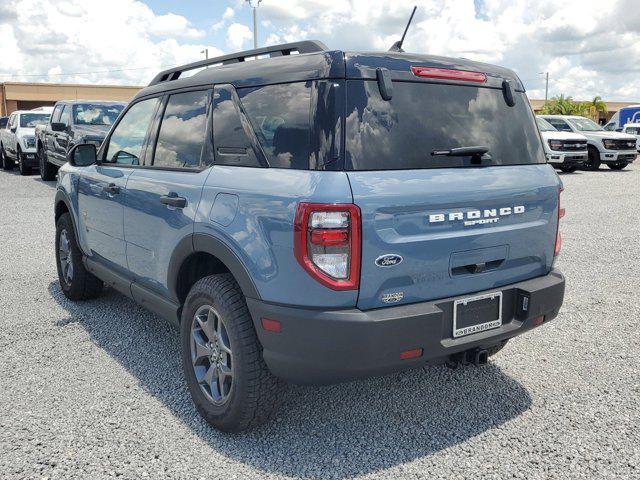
(307, 46)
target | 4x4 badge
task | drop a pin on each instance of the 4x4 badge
(389, 260)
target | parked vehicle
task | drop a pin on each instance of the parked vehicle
(72, 122)
(628, 114)
(633, 129)
(564, 150)
(615, 149)
(18, 141)
(318, 218)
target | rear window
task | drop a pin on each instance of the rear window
(425, 117)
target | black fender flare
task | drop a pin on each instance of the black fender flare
(61, 196)
(205, 243)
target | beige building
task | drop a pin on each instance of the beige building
(26, 96)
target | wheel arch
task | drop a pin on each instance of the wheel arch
(200, 255)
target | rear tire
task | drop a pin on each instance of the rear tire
(617, 166)
(229, 382)
(593, 159)
(47, 171)
(76, 281)
(7, 163)
(568, 169)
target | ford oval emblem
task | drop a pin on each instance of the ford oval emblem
(390, 260)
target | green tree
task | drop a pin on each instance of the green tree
(596, 107)
(561, 105)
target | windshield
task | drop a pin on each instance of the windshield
(545, 126)
(585, 125)
(422, 120)
(95, 114)
(30, 120)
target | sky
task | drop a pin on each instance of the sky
(589, 47)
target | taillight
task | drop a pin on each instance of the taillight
(561, 213)
(327, 243)
(448, 74)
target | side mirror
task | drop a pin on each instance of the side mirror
(82, 155)
(14, 129)
(58, 127)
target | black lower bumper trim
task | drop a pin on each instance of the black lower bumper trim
(329, 346)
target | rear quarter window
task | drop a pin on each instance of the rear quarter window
(280, 117)
(423, 117)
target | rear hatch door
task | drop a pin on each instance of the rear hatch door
(436, 226)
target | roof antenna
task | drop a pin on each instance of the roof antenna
(397, 47)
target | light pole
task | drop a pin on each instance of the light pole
(546, 86)
(254, 5)
(206, 53)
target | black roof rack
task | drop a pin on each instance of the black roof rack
(308, 46)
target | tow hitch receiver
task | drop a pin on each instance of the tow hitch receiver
(475, 356)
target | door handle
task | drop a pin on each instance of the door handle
(178, 202)
(112, 188)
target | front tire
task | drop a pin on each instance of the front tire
(7, 163)
(229, 382)
(593, 159)
(617, 166)
(24, 170)
(76, 281)
(568, 169)
(47, 171)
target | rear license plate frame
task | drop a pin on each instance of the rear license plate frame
(480, 327)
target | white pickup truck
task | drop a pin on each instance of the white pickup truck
(633, 129)
(615, 149)
(18, 140)
(564, 150)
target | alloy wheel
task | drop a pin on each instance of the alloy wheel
(64, 257)
(211, 354)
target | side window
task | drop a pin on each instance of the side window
(55, 117)
(65, 116)
(280, 117)
(610, 126)
(182, 133)
(230, 131)
(127, 140)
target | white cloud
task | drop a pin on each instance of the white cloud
(174, 25)
(238, 35)
(228, 13)
(121, 37)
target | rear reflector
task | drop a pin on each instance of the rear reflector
(447, 74)
(408, 354)
(271, 325)
(561, 213)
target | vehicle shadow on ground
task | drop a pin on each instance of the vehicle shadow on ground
(319, 432)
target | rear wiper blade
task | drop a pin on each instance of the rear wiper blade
(462, 151)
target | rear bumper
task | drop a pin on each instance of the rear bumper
(330, 346)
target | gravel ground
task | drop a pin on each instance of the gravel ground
(95, 390)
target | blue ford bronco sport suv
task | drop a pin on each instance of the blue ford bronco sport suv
(317, 216)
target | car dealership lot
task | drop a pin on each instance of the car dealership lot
(96, 389)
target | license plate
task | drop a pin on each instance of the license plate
(477, 314)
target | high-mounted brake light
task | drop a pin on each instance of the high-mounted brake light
(449, 74)
(327, 243)
(561, 213)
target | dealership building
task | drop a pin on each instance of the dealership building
(26, 96)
